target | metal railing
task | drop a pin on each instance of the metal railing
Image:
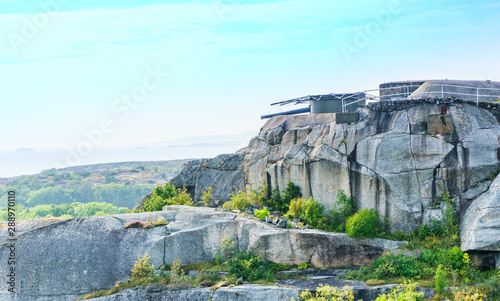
(443, 90)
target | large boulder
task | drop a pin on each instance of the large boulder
(392, 161)
(62, 260)
(223, 173)
(480, 225)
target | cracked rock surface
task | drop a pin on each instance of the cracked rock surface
(62, 260)
(392, 161)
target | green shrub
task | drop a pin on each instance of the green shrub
(364, 223)
(261, 214)
(405, 293)
(142, 268)
(181, 197)
(176, 273)
(436, 228)
(206, 197)
(309, 211)
(226, 250)
(454, 257)
(242, 200)
(274, 202)
(344, 208)
(289, 193)
(328, 293)
(441, 279)
(167, 195)
(166, 191)
(281, 203)
(491, 287)
(249, 267)
(398, 265)
(304, 266)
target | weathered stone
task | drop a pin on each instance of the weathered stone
(387, 161)
(223, 173)
(236, 293)
(480, 225)
(283, 222)
(61, 260)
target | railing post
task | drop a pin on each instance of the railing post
(442, 91)
(477, 97)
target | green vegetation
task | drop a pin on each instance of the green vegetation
(64, 210)
(237, 266)
(364, 223)
(206, 197)
(308, 210)
(120, 184)
(277, 202)
(243, 199)
(328, 293)
(142, 267)
(261, 214)
(304, 266)
(164, 196)
(344, 208)
(407, 292)
(437, 261)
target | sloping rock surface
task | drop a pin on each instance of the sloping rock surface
(61, 260)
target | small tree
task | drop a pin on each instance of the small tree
(142, 268)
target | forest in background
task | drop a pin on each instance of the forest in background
(99, 189)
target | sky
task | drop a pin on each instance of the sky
(80, 74)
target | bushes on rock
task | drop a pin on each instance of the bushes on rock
(247, 266)
(308, 210)
(261, 214)
(328, 293)
(206, 197)
(405, 293)
(364, 223)
(436, 228)
(281, 203)
(142, 268)
(166, 195)
(441, 279)
(344, 208)
(242, 200)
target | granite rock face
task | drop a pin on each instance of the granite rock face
(480, 224)
(223, 173)
(62, 260)
(392, 161)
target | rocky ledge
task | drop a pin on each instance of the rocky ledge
(65, 259)
(395, 160)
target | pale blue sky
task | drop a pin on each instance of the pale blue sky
(64, 72)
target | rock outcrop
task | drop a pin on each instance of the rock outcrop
(241, 292)
(392, 161)
(480, 226)
(224, 173)
(64, 259)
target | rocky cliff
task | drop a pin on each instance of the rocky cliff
(393, 160)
